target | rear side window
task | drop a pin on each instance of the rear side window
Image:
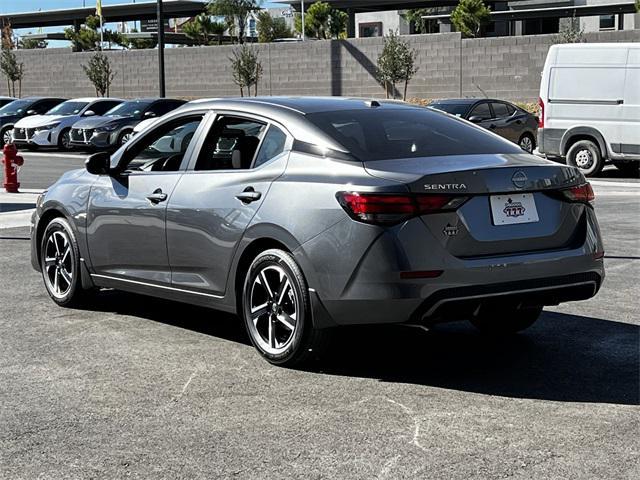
(501, 110)
(272, 146)
(384, 134)
(457, 109)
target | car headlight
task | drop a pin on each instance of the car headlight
(107, 128)
(50, 126)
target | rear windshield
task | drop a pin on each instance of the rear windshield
(452, 108)
(384, 134)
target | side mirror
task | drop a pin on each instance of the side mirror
(98, 164)
(149, 115)
(476, 119)
(31, 112)
(89, 113)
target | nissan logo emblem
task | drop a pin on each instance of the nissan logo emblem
(519, 179)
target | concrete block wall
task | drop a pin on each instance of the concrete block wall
(448, 66)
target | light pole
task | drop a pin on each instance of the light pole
(302, 8)
(161, 86)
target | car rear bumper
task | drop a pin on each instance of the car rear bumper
(359, 282)
(550, 140)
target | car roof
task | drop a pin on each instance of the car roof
(300, 105)
(33, 99)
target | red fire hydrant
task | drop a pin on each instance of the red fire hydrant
(11, 161)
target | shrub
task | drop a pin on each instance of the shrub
(247, 69)
(99, 72)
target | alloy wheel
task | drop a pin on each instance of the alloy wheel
(125, 138)
(526, 144)
(58, 263)
(6, 137)
(66, 140)
(274, 308)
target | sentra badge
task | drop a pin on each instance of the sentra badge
(445, 186)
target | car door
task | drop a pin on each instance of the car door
(507, 125)
(127, 210)
(219, 195)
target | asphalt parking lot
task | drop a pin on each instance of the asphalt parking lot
(145, 388)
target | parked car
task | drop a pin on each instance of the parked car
(303, 214)
(504, 118)
(5, 100)
(115, 127)
(590, 104)
(53, 128)
(24, 107)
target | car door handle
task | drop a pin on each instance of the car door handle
(249, 195)
(157, 196)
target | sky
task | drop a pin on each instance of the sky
(8, 6)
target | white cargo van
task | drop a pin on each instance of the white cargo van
(590, 105)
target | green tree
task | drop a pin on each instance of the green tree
(420, 25)
(141, 43)
(201, 28)
(269, 28)
(100, 74)
(396, 64)
(338, 21)
(31, 43)
(247, 69)
(571, 32)
(323, 22)
(12, 70)
(87, 37)
(469, 16)
(236, 12)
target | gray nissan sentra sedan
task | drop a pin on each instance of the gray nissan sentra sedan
(303, 214)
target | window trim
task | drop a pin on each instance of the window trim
(124, 154)
(214, 114)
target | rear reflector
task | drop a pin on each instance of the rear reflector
(388, 209)
(420, 274)
(582, 193)
(598, 255)
(541, 113)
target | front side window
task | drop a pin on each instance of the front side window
(482, 111)
(457, 109)
(163, 148)
(231, 144)
(386, 134)
(102, 107)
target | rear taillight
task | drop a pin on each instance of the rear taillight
(581, 193)
(389, 209)
(540, 113)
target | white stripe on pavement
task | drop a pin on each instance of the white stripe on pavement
(21, 218)
(601, 183)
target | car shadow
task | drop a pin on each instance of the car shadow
(563, 357)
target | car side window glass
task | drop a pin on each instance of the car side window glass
(100, 108)
(481, 111)
(510, 108)
(44, 106)
(272, 146)
(163, 148)
(500, 110)
(231, 144)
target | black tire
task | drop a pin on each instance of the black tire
(72, 294)
(586, 156)
(527, 142)
(124, 137)
(298, 344)
(506, 321)
(64, 140)
(3, 134)
(630, 168)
